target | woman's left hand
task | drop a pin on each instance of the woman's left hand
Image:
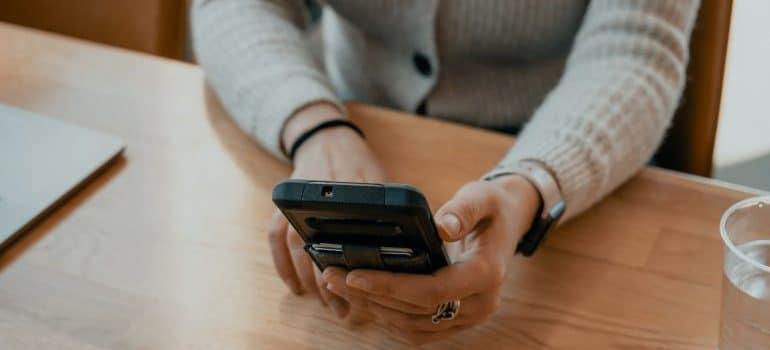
(487, 218)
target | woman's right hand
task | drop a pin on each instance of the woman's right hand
(334, 154)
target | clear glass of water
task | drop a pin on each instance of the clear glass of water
(745, 320)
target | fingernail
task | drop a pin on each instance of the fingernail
(339, 308)
(332, 288)
(451, 224)
(327, 274)
(359, 282)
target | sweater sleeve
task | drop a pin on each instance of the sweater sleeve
(256, 59)
(616, 98)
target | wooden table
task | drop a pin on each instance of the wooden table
(168, 249)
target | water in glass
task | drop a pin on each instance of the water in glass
(745, 317)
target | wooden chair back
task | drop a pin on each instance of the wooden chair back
(689, 144)
(153, 26)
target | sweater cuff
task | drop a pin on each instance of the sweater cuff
(565, 161)
(282, 103)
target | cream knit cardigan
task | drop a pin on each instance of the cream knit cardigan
(596, 82)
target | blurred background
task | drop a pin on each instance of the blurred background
(742, 152)
(157, 27)
(728, 139)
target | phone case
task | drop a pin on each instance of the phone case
(363, 225)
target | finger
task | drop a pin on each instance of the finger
(339, 306)
(472, 310)
(303, 266)
(362, 300)
(321, 286)
(399, 305)
(280, 252)
(335, 283)
(424, 337)
(470, 205)
(453, 282)
(334, 277)
(358, 316)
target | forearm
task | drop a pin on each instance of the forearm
(255, 57)
(616, 99)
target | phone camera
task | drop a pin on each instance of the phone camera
(327, 192)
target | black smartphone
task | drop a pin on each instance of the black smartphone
(363, 225)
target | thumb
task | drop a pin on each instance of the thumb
(471, 204)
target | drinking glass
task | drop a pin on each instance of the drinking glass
(745, 320)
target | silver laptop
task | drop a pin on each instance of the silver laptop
(42, 160)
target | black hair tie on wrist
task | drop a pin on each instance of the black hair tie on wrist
(325, 125)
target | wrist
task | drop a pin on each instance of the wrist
(329, 141)
(552, 205)
(525, 196)
(305, 119)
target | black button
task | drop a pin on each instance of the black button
(422, 109)
(422, 64)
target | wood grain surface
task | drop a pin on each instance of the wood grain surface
(168, 250)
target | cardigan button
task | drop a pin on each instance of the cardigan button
(422, 64)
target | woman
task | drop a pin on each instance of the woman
(597, 84)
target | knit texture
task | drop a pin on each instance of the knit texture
(596, 83)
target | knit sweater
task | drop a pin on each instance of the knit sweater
(595, 84)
